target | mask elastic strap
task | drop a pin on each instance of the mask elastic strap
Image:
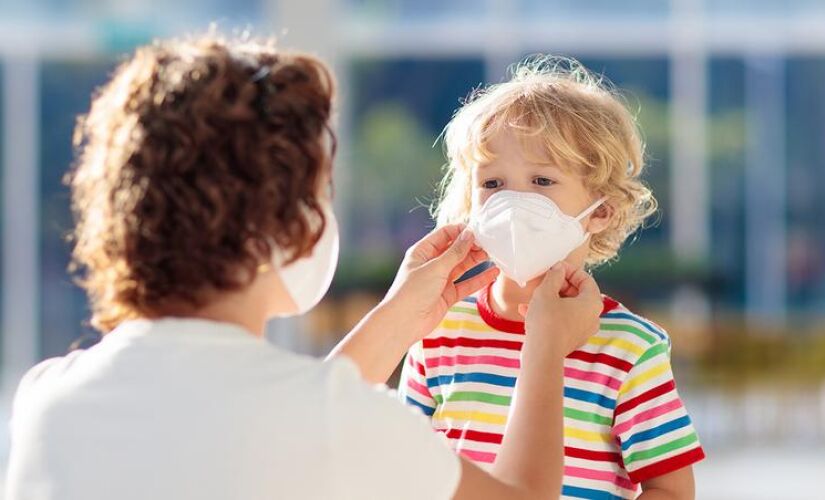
(587, 211)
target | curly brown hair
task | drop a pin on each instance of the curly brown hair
(197, 160)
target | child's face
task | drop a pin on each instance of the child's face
(512, 170)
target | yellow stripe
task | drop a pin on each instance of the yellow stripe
(619, 343)
(472, 416)
(643, 377)
(452, 324)
(596, 437)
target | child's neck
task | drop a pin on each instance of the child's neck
(506, 295)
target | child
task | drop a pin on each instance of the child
(546, 167)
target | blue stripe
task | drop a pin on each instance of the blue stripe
(577, 492)
(470, 299)
(426, 409)
(485, 378)
(656, 431)
(652, 329)
(590, 397)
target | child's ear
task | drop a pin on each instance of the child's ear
(599, 220)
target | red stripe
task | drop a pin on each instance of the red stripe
(430, 343)
(419, 388)
(472, 360)
(479, 456)
(608, 304)
(494, 438)
(669, 465)
(483, 437)
(645, 396)
(418, 366)
(601, 456)
(602, 358)
(491, 318)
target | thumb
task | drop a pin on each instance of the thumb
(554, 279)
(457, 251)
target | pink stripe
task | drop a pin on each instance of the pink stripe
(595, 377)
(412, 384)
(479, 456)
(600, 475)
(647, 415)
(472, 360)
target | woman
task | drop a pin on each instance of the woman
(202, 199)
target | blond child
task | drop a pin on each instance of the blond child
(546, 168)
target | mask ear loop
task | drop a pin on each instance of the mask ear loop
(587, 211)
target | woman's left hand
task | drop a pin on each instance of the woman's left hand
(425, 286)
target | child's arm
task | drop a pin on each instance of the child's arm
(656, 435)
(676, 485)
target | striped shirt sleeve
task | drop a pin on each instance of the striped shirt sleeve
(650, 422)
(412, 388)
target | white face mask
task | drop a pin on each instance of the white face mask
(308, 278)
(525, 234)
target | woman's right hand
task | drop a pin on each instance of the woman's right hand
(420, 296)
(564, 310)
(425, 286)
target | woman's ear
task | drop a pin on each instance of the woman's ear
(600, 219)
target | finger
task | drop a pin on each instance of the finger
(473, 259)
(476, 283)
(587, 286)
(455, 254)
(578, 278)
(554, 279)
(436, 242)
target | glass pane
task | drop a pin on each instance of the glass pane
(197, 13)
(764, 7)
(726, 162)
(399, 108)
(805, 147)
(66, 88)
(418, 9)
(2, 166)
(597, 8)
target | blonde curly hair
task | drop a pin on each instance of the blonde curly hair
(581, 123)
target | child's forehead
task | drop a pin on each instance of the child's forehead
(508, 145)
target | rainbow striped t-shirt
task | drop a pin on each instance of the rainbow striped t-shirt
(624, 422)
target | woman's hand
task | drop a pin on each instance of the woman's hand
(567, 303)
(423, 290)
(425, 287)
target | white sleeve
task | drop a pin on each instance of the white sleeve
(381, 449)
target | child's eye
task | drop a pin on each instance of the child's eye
(543, 181)
(491, 184)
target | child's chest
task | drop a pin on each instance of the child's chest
(472, 378)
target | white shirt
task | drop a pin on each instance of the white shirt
(190, 409)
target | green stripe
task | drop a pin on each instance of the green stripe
(482, 397)
(661, 449)
(586, 416)
(617, 327)
(468, 310)
(653, 351)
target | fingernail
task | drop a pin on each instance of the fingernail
(466, 234)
